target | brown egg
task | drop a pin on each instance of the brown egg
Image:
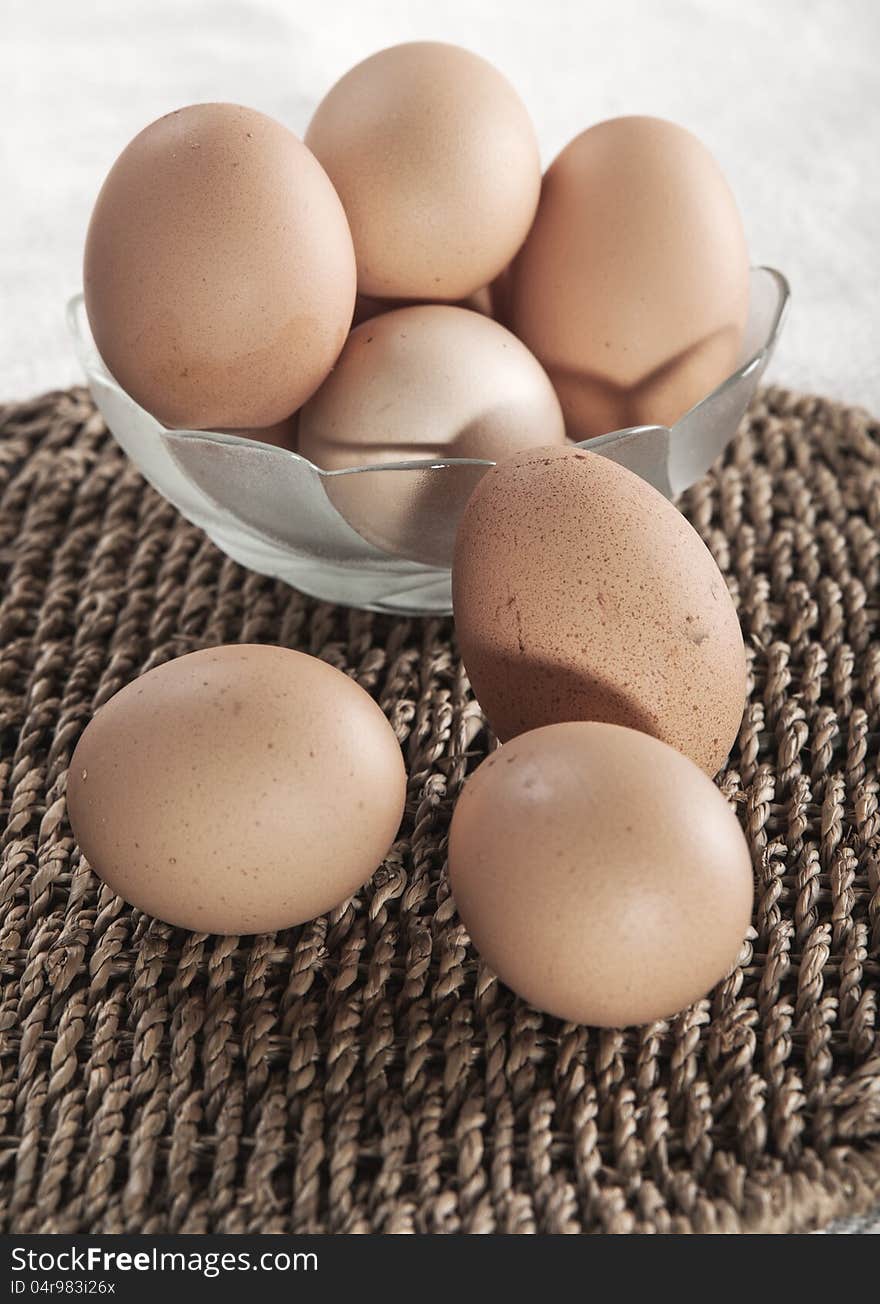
(283, 434)
(426, 382)
(600, 873)
(436, 162)
(633, 285)
(239, 789)
(581, 593)
(219, 270)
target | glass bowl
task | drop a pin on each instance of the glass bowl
(277, 513)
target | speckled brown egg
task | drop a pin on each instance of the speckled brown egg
(424, 383)
(581, 593)
(436, 162)
(219, 269)
(600, 873)
(633, 285)
(239, 789)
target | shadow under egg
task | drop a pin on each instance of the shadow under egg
(283, 434)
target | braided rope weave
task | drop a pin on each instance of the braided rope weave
(366, 1072)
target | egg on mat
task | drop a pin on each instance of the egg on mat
(432, 381)
(239, 789)
(219, 270)
(632, 287)
(581, 593)
(436, 162)
(600, 873)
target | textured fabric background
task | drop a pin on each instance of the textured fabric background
(786, 95)
(366, 1071)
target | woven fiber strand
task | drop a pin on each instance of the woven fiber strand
(366, 1072)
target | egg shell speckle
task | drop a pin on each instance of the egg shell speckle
(238, 789)
(581, 593)
(436, 162)
(600, 873)
(219, 269)
(633, 284)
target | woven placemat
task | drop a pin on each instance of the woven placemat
(366, 1072)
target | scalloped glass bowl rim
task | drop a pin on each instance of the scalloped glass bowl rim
(78, 324)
